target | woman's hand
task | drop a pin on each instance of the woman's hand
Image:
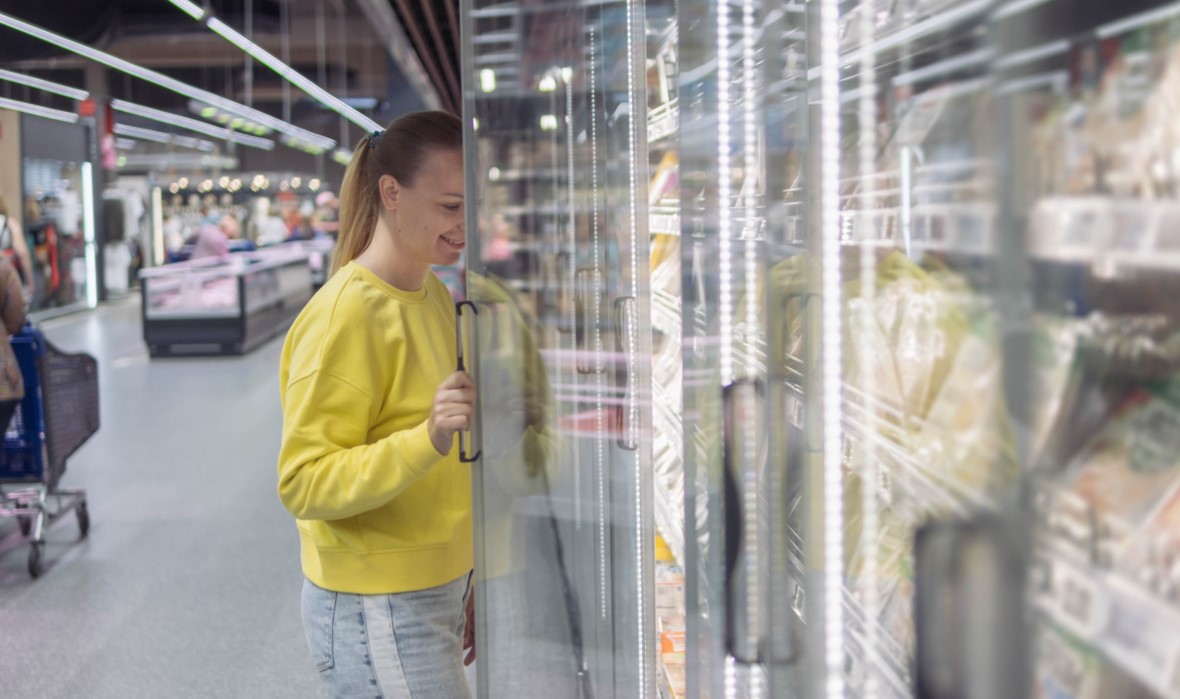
(454, 406)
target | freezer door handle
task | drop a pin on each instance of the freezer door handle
(743, 448)
(465, 456)
(626, 329)
(587, 290)
(562, 287)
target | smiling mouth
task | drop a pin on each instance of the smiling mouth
(454, 243)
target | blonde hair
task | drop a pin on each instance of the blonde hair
(397, 151)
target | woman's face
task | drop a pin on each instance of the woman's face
(428, 226)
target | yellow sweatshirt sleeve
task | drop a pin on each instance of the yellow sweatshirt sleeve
(327, 471)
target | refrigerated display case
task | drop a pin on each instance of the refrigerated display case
(223, 306)
(867, 324)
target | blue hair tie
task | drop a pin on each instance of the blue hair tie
(374, 137)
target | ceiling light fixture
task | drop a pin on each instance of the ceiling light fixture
(192, 9)
(38, 110)
(274, 63)
(291, 75)
(162, 137)
(487, 80)
(46, 85)
(163, 80)
(191, 124)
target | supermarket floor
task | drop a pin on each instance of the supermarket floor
(188, 585)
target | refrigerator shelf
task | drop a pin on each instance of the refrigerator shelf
(665, 313)
(1127, 626)
(663, 222)
(670, 521)
(663, 122)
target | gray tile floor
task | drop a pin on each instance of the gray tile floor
(188, 585)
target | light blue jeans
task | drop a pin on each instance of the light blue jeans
(400, 646)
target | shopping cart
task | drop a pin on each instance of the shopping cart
(58, 414)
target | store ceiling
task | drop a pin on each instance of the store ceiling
(352, 60)
(433, 28)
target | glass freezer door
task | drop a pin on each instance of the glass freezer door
(554, 335)
(747, 285)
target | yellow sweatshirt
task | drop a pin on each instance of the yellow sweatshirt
(379, 510)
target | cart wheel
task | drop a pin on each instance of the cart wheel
(83, 518)
(35, 567)
(26, 524)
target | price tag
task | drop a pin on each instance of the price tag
(796, 411)
(1080, 600)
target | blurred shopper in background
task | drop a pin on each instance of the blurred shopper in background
(371, 407)
(212, 240)
(13, 312)
(15, 247)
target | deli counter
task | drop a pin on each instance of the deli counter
(223, 306)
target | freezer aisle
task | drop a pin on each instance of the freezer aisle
(188, 585)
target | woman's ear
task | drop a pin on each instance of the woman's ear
(389, 188)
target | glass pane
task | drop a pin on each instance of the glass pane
(1086, 91)
(916, 431)
(558, 346)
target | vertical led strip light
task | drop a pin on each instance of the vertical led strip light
(724, 173)
(725, 273)
(865, 319)
(572, 241)
(88, 235)
(165, 82)
(599, 453)
(632, 340)
(753, 336)
(831, 359)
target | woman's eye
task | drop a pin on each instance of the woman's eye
(451, 207)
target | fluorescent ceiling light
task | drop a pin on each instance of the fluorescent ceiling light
(178, 161)
(360, 102)
(162, 137)
(163, 80)
(224, 118)
(943, 67)
(1039, 53)
(1015, 7)
(292, 76)
(191, 124)
(47, 86)
(193, 143)
(1135, 21)
(487, 80)
(195, 11)
(142, 134)
(38, 110)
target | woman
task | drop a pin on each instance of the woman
(13, 311)
(371, 407)
(16, 248)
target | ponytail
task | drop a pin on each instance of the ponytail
(358, 208)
